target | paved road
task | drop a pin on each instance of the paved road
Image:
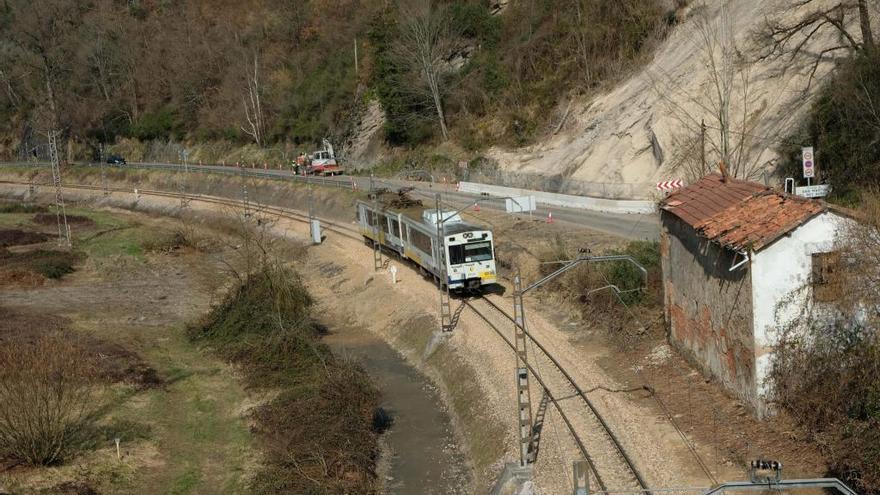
(630, 226)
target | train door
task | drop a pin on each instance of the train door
(391, 226)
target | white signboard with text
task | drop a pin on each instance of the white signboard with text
(819, 191)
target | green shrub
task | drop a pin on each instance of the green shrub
(318, 434)
(50, 264)
(21, 208)
(829, 380)
(54, 264)
(154, 125)
(844, 129)
(632, 281)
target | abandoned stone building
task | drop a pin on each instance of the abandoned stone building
(738, 260)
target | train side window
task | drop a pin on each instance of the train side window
(421, 241)
(374, 218)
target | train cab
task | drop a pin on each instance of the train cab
(470, 258)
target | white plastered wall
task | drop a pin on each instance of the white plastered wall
(781, 283)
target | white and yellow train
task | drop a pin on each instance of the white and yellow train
(412, 233)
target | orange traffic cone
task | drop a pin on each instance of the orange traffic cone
(476, 206)
(550, 217)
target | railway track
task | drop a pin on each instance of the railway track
(340, 229)
(613, 469)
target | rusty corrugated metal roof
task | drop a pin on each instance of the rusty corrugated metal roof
(707, 197)
(759, 220)
(740, 215)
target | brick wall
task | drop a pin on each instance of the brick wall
(708, 307)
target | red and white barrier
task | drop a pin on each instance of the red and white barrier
(670, 185)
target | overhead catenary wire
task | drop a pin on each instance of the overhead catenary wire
(660, 403)
(580, 393)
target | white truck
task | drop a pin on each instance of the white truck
(323, 162)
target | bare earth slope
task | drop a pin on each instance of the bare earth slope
(629, 134)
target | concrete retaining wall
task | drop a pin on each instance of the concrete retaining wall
(565, 200)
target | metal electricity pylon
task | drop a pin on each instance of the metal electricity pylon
(184, 201)
(378, 232)
(523, 392)
(524, 406)
(445, 304)
(244, 193)
(60, 211)
(104, 190)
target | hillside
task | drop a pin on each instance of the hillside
(640, 131)
(280, 76)
(585, 96)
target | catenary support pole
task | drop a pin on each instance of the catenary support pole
(523, 393)
(60, 211)
(440, 257)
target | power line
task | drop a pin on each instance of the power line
(755, 136)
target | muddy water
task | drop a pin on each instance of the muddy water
(420, 455)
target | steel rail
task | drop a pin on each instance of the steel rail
(607, 429)
(273, 210)
(553, 400)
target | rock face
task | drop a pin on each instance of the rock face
(631, 135)
(365, 145)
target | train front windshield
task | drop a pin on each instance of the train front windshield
(470, 253)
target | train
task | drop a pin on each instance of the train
(411, 233)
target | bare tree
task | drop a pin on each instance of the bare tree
(42, 34)
(785, 38)
(721, 117)
(253, 106)
(427, 40)
(50, 398)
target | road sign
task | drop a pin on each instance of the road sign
(819, 191)
(809, 161)
(520, 204)
(669, 185)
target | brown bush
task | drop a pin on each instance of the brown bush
(16, 237)
(48, 399)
